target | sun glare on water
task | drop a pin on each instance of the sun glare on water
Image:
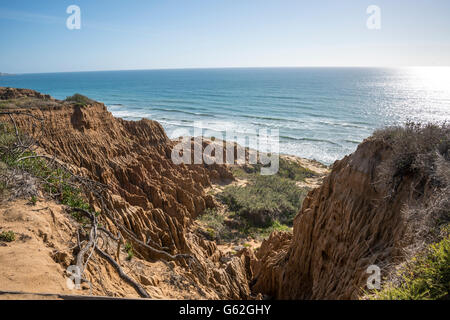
(432, 78)
(427, 94)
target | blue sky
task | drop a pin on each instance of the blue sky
(149, 34)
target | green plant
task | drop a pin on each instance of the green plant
(129, 251)
(7, 236)
(79, 100)
(292, 170)
(33, 200)
(27, 102)
(425, 277)
(3, 183)
(287, 169)
(55, 180)
(214, 224)
(265, 199)
(248, 229)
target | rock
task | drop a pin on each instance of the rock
(344, 226)
(147, 192)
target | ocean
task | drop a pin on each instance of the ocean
(321, 113)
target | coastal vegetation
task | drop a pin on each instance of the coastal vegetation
(26, 102)
(260, 205)
(7, 236)
(265, 199)
(424, 277)
(18, 161)
(79, 100)
(421, 151)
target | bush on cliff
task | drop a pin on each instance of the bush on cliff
(416, 148)
(420, 156)
(80, 100)
(425, 277)
(26, 102)
(420, 152)
(54, 180)
(216, 229)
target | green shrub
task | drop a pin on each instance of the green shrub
(79, 100)
(265, 199)
(56, 181)
(7, 236)
(287, 169)
(426, 277)
(129, 251)
(293, 171)
(249, 229)
(27, 102)
(7, 136)
(215, 226)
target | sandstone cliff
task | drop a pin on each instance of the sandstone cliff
(352, 221)
(355, 219)
(153, 199)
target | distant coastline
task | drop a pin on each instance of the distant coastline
(5, 74)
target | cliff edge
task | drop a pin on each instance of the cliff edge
(148, 199)
(377, 205)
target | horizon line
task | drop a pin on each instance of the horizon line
(216, 68)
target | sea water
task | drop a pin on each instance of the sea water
(320, 113)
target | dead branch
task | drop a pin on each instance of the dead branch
(139, 289)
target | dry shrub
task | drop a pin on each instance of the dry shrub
(27, 102)
(419, 164)
(421, 156)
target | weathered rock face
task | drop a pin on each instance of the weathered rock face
(344, 226)
(13, 93)
(150, 195)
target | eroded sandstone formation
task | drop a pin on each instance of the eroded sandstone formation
(346, 225)
(150, 195)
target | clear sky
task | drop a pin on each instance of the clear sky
(152, 34)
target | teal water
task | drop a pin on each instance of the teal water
(321, 113)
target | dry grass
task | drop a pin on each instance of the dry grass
(420, 155)
(420, 159)
(27, 102)
(79, 100)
